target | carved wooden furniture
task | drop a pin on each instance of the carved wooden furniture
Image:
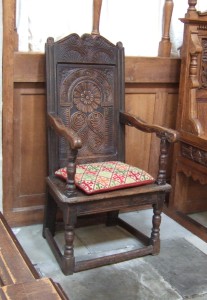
(86, 124)
(189, 177)
(18, 277)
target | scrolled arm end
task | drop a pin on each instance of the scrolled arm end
(70, 135)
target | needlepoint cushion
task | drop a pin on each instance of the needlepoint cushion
(106, 176)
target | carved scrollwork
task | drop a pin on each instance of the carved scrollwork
(195, 175)
(86, 94)
(86, 89)
(75, 48)
(78, 121)
(96, 121)
(204, 64)
(195, 154)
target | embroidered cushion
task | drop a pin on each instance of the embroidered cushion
(106, 176)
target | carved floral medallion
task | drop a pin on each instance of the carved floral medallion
(86, 95)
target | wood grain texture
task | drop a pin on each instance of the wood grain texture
(137, 142)
(30, 67)
(165, 44)
(15, 265)
(41, 289)
(8, 91)
(18, 278)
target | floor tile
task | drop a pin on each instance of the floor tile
(182, 265)
(133, 280)
(178, 272)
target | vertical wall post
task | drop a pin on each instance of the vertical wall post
(9, 47)
(165, 44)
(96, 16)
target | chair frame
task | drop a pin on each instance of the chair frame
(74, 203)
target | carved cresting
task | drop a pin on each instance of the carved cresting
(86, 93)
(81, 49)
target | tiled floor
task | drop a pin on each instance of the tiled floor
(178, 272)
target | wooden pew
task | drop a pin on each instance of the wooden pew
(18, 277)
(41, 289)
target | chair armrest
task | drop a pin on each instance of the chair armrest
(171, 135)
(69, 134)
(166, 136)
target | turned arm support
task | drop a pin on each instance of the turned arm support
(69, 134)
(166, 136)
(75, 143)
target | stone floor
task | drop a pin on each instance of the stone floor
(178, 272)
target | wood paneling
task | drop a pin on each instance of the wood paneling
(137, 140)
(29, 67)
(152, 70)
(147, 70)
(29, 164)
(154, 104)
(151, 92)
(30, 145)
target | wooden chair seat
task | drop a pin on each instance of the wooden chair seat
(57, 186)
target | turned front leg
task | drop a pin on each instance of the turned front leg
(156, 221)
(69, 239)
(68, 262)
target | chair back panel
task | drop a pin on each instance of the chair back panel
(85, 88)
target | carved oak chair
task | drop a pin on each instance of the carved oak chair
(86, 148)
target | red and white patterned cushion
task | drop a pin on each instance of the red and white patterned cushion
(106, 176)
